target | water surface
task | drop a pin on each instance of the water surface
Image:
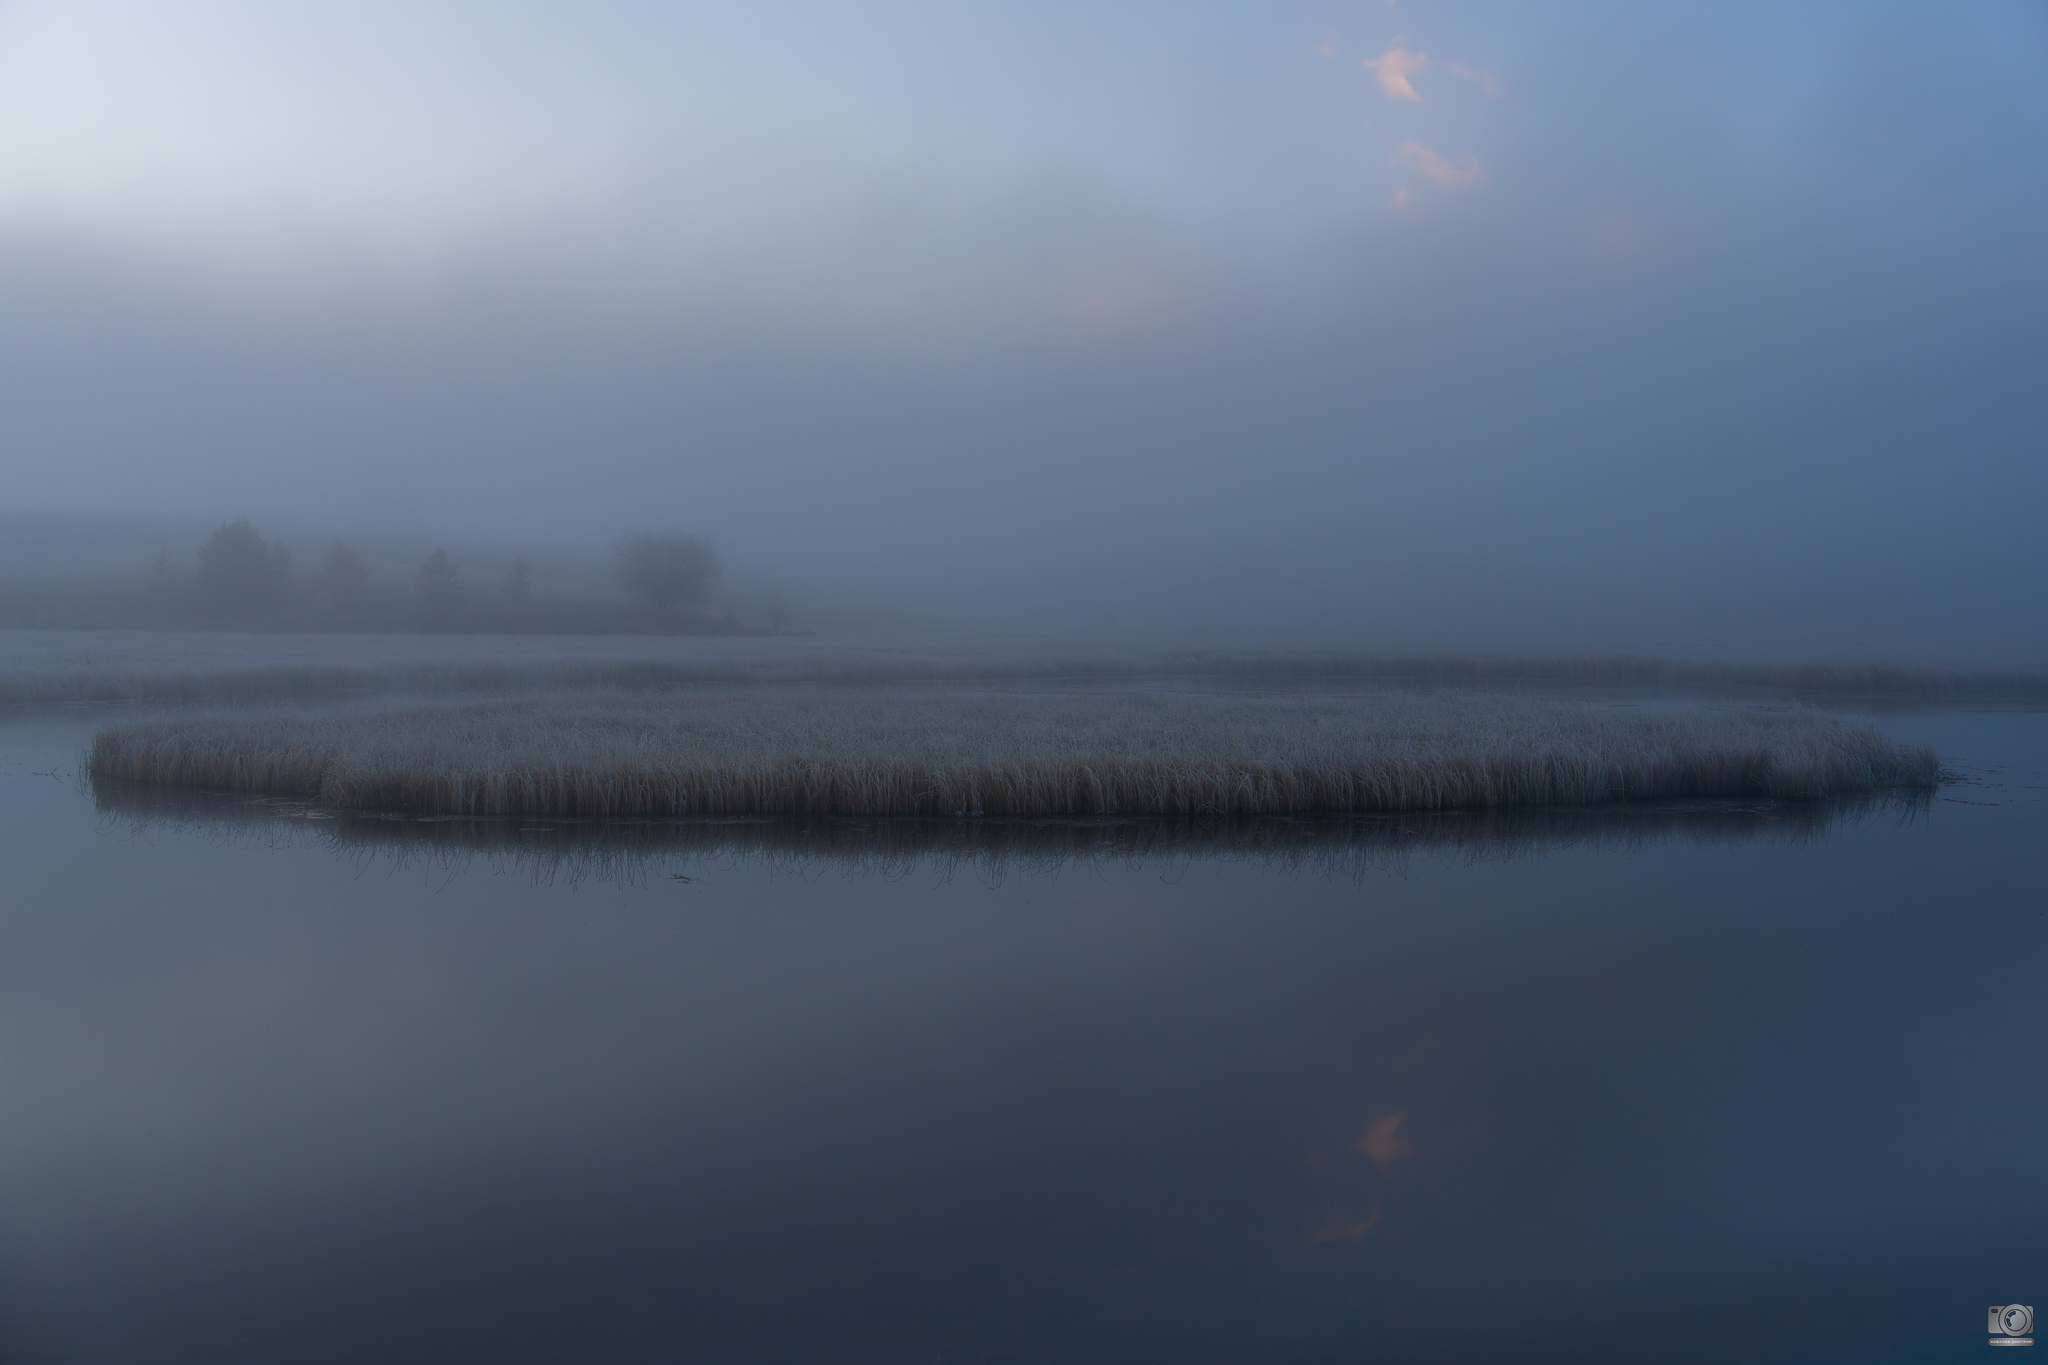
(1764, 1083)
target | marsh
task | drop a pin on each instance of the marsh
(1011, 752)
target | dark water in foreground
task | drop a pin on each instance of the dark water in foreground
(1765, 1085)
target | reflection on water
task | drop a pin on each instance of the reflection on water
(629, 852)
(1682, 1082)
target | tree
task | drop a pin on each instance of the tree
(166, 585)
(163, 575)
(344, 574)
(517, 589)
(439, 582)
(240, 571)
(665, 570)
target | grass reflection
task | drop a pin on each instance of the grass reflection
(637, 852)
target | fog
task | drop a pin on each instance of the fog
(1395, 326)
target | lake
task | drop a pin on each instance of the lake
(1761, 1083)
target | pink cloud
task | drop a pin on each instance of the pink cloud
(1392, 68)
(1400, 198)
(1121, 303)
(1383, 1141)
(1630, 241)
(1473, 73)
(1440, 170)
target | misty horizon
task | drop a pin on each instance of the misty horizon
(1382, 325)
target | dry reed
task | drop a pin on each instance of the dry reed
(811, 751)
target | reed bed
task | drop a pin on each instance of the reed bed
(939, 753)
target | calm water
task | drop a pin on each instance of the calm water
(1754, 1086)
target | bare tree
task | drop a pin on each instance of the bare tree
(665, 570)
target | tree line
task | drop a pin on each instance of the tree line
(241, 579)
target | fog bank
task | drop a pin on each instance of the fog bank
(1438, 326)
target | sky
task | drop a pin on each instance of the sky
(1583, 325)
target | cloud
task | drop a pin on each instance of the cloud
(1629, 241)
(1121, 303)
(1392, 68)
(1383, 1141)
(1440, 170)
(1400, 198)
(1473, 73)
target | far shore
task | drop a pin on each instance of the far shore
(58, 668)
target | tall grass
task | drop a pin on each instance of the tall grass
(818, 751)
